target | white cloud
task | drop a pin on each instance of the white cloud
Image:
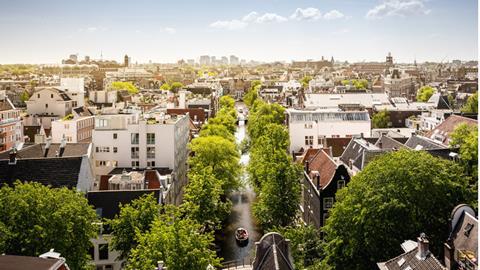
(398, 8)
(306, 14)
(229, 25)
(270, 18)
(250, 17)
(333, 14)
(169, 30)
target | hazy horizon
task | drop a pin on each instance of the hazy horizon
(45, 32)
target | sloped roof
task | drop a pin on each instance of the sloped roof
(465, 235)
(443, 130)
(272, 252)
(14, 262)
(56, 172)
(410, 259)
(422, 143)
(323, 164)
(38, 150)
(360, 151)
(385, 142)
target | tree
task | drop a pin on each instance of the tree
(261, 115)
(424, 93)
(227, 102)
(177, 241)
(225, 118)
(395, 197)
(305, 81)
(472, 104)
(252, 93)
(165, 86)
(175, 86)
(305, 244)
(221, 155)
(358, 84)
(35, 218)
(134, 218)
(217, 130)
(279, 194)
(132, 89)
(466, 138)
(24, 96)
(381, 119)
(202, 199)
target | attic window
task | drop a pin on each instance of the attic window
(401, 262)
(468, 229)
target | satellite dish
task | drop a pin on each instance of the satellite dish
(457, 213)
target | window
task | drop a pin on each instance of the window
(115, 149)
(308, 126)
(115, 136)
(102, 149)
(150, 152)
(51, 95)
(308, 140)
(46, 106)
(100, 163)
(322, 141)
(103, 252)
(151, 164)
(150, 138)
(134, 152)
(327, 203)
(135, 164)
(340, 184)
(38, 95)
(101, 122)
(135, 138)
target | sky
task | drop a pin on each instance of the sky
(265, 30)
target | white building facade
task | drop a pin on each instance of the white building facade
(308, 129)
(74, 130)
(75, 89)
(131, 141)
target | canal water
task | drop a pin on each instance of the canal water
(241, 216)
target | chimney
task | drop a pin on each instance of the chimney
(307, 166)
(318, 180)
(423, 250)
(62, 146)
(12, 157)
(47, 146)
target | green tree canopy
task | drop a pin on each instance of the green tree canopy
(252, 94)
(165, 86)
(305, 245)
(132, 89)
(221, 155)
(217, 130)
(175, 86)
(305, 81)
(424, 93)
(226, 118)
(472, 104)
(24, 96)
(262, 115)
(381, 119)
(466, 138)
(134, 218)
(202, 199)
(396, 197)
(176, 240)
(35, 218)
(227, 102)
(358, 84)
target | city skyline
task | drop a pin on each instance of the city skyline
(267, 30)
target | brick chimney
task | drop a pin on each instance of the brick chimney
(12, 157)
(423, 250)
(307, 166)
(47, 146)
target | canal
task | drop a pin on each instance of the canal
(241, 215)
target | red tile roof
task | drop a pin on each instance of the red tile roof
(447, 126)
(322, 163)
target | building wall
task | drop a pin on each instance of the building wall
(75, 88)
(334, 129)
(11, 129)
(48, 102)
(75, 130)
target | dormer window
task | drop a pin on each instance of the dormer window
(468, 229)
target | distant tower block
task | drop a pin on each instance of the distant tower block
(126, 61)
(389, 59)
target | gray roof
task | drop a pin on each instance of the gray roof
(272, 253)
(39, 150)
(56, 172)
(422, 143)
(409, 259)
